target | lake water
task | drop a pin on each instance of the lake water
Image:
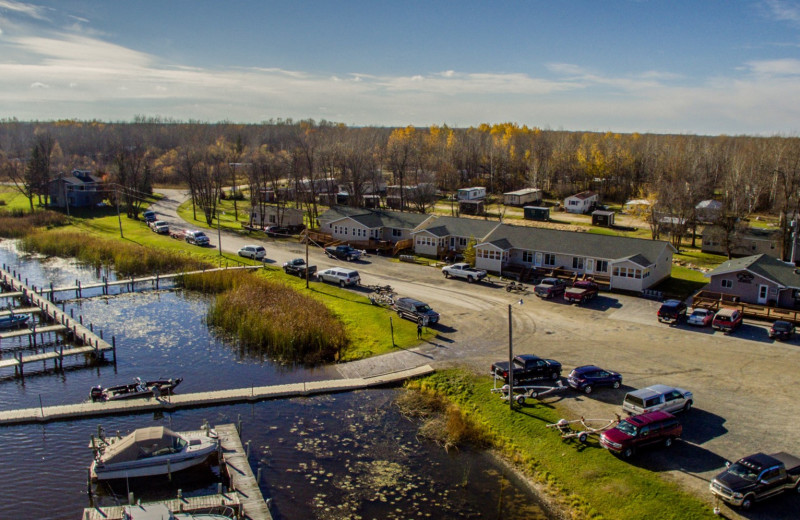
(350, 455)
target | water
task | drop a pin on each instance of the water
(350, 455)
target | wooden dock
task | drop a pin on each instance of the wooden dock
(20, 310)
(90, 343)
(200, 399)
(240, 473)
(176, 505)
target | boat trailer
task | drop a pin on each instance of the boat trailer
(587, 427)
(523, 392)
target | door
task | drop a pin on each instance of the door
(589, 265)
(537, 261)
(763, 292)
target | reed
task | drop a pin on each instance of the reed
(128, 259)
(17, 223)
(268, 317)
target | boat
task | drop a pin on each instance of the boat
(138, 388)
(162, 512)
(152, 451)
(13, 321)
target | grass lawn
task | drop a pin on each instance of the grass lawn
(15, 200)
(583, 477)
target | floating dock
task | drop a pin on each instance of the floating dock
(195, 400)
(244, 497)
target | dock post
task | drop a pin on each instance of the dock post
(72, 313)
(156, 281)
(52, 296)
(61, 356)
(80, 292)
(114, 348)
(239, 424)
(169, 471)
(91, 327)
(34, 336)
(130, 498)
(80, 319)
(258, 474)
(247, 451)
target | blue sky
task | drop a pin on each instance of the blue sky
(704, 67)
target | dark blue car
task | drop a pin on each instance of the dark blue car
(587, 377)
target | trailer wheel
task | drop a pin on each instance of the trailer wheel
(583, 437)
(533, 394)
(520, 399)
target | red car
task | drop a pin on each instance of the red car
(641, 430)
(727, 320)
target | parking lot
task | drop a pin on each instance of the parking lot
(743, 383)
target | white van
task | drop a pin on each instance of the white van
(657, 397)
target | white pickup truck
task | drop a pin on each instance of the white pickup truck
(464, 270)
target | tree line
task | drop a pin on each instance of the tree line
(747, 174)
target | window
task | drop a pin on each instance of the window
(577, 262)
(549, 259)
(397, 232)
(527, 256)
(726, 284)
(601, 266)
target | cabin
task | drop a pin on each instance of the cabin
(362, 225)
(474, 193)
(744, 242)
(80, 189)
(758, 280)
(441, 236)
(523, 197)
(536, 213)
(583, 202)
(602, 218)
(265, 215)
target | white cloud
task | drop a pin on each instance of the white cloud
(39, 84)
(30, 10)
(783, 11)
(784, 67)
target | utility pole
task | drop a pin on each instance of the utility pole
(119, 218)
(307, 266)
(510, 363)
(219, 235)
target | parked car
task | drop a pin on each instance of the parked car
(340, 275)
(149, 216)
(587, 377)
(197, 238)
(414, 310)
(636, 432)
(550, 288)
(276, 231)
(253, 251)
(581, 291)
(527, 368)
(159, 226)
(781, 330)
(757, 477)
(343, 252)
(297, 266)
(700, 317)
(671, 311)
(464, 270)
(658, 397)
(727, 320)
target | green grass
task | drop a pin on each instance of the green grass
(227, 217)
(683, 283)
(13, 199)
(697, 258)
(585, 479)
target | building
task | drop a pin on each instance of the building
(708, 211)
(80, 189)
(474, 193)
(631, 264)
(441, 235)
(582, 202)
(269, 215)
(744, 242)
(364, 225)
(757, 279)
(523, 197)
(602, 218)
(536, 213)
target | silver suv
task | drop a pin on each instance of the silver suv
(340, 275)
(658, 397)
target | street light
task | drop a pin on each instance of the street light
(511, 359)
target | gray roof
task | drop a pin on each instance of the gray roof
(762, 265)
(640, 250)
(459, 227)
(522, 192)
(372, 218)
(709, 204)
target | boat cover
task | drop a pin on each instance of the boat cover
(143, 443)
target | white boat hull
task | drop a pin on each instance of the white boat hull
(151, 467)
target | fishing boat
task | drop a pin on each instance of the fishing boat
(13, 321)
(138, 388)
(162, 512)
(152, 451)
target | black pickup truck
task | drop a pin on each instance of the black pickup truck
(528, 368)
(343, 252)
(297, 266)
(757, 477)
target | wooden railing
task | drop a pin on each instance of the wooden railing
(714, 301)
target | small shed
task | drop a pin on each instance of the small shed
(536, 213)
(471, 207)
(372, 201)
(522, 197)
(602, 218)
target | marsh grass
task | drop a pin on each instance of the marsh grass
(128, 259)
(17, 223)
(270, 317)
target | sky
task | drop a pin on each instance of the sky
(673, 66)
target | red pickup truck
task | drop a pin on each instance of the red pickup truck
(581, 291)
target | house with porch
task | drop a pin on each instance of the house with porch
(80, 189)
(442, 235)
(276, 215)
(362, 225)
(757, 279)
(631, 264)
(744, 242)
